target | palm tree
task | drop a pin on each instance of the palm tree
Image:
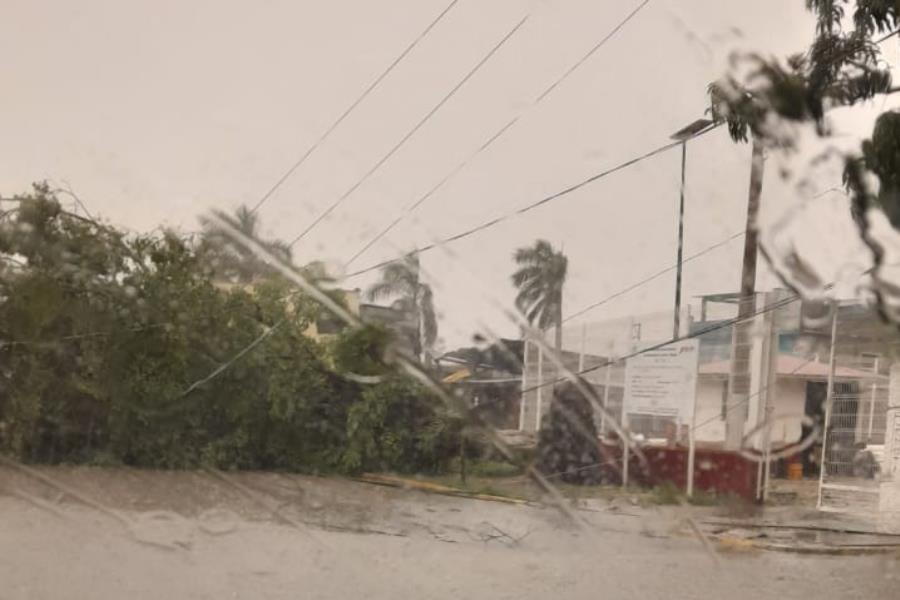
(401, 279)
(539, 280)
(233, 260)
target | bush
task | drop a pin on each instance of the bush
(568, 447)
(399, 426)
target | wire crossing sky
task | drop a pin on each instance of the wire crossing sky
(499, 134)
(409, 134)
(265, 197)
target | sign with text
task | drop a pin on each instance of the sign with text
(663, 382)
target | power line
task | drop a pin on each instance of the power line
(652, 277)
(599, 44)
(409, 134)
(751, 396)
(351, 108)
(887, 37)
(727, 323)
(499, 133)
(503, 130)
(534, 205)
(430, 192)
(222, 367)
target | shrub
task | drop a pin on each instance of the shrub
(398, 425)
(568, 447)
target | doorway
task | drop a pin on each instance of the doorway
(814, 408)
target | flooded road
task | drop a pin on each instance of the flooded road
(184, 535)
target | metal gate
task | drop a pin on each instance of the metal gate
(854, 430)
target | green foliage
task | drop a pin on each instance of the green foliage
(228, 258)
(568, 446)
(840, 68)
(363, 351)
(843, 66)
(401, 279)
(881, 156)
(539, 279)
(107, 342)
(398, 425)
(487, 468)
(666, 494)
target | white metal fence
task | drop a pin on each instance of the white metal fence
(781, 395)
(854, 438)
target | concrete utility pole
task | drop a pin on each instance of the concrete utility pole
(764, 386)
(677, 322)
(742, 332)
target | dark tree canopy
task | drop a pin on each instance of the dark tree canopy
(568, 446)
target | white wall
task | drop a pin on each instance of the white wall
(790, 401)
(710, 426)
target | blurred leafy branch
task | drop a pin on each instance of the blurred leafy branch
(843, 66)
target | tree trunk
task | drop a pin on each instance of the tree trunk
(417, 311)
(742, 337)
(462, 456)
(558, 341)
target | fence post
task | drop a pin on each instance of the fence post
(889, 488)
(829, 395)
(691, 450)
(606, 392)
(522, 398)
(540, 390)
(872, 402)
(581, 354)
(771, 389)
(625, 449)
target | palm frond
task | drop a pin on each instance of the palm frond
(539, 281)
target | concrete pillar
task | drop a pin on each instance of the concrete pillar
(745, 361)
(759, 371)
(523, 397)
(539, 407)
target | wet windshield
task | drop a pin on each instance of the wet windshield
(450, 299)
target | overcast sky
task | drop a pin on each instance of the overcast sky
(155, 112)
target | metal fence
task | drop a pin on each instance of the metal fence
(596, 350)
(852, 452)
(775, 387)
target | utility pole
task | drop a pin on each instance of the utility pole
(677, 324)
(683, 135)
(742, 332)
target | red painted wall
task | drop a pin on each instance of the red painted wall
(716, 471)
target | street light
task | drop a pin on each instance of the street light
(683, 135)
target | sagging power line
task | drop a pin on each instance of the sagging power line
(500, 133)
(545, 200)
(334, 205)
(656, 275)
(265, 197)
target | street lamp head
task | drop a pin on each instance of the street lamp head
(686, 133)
